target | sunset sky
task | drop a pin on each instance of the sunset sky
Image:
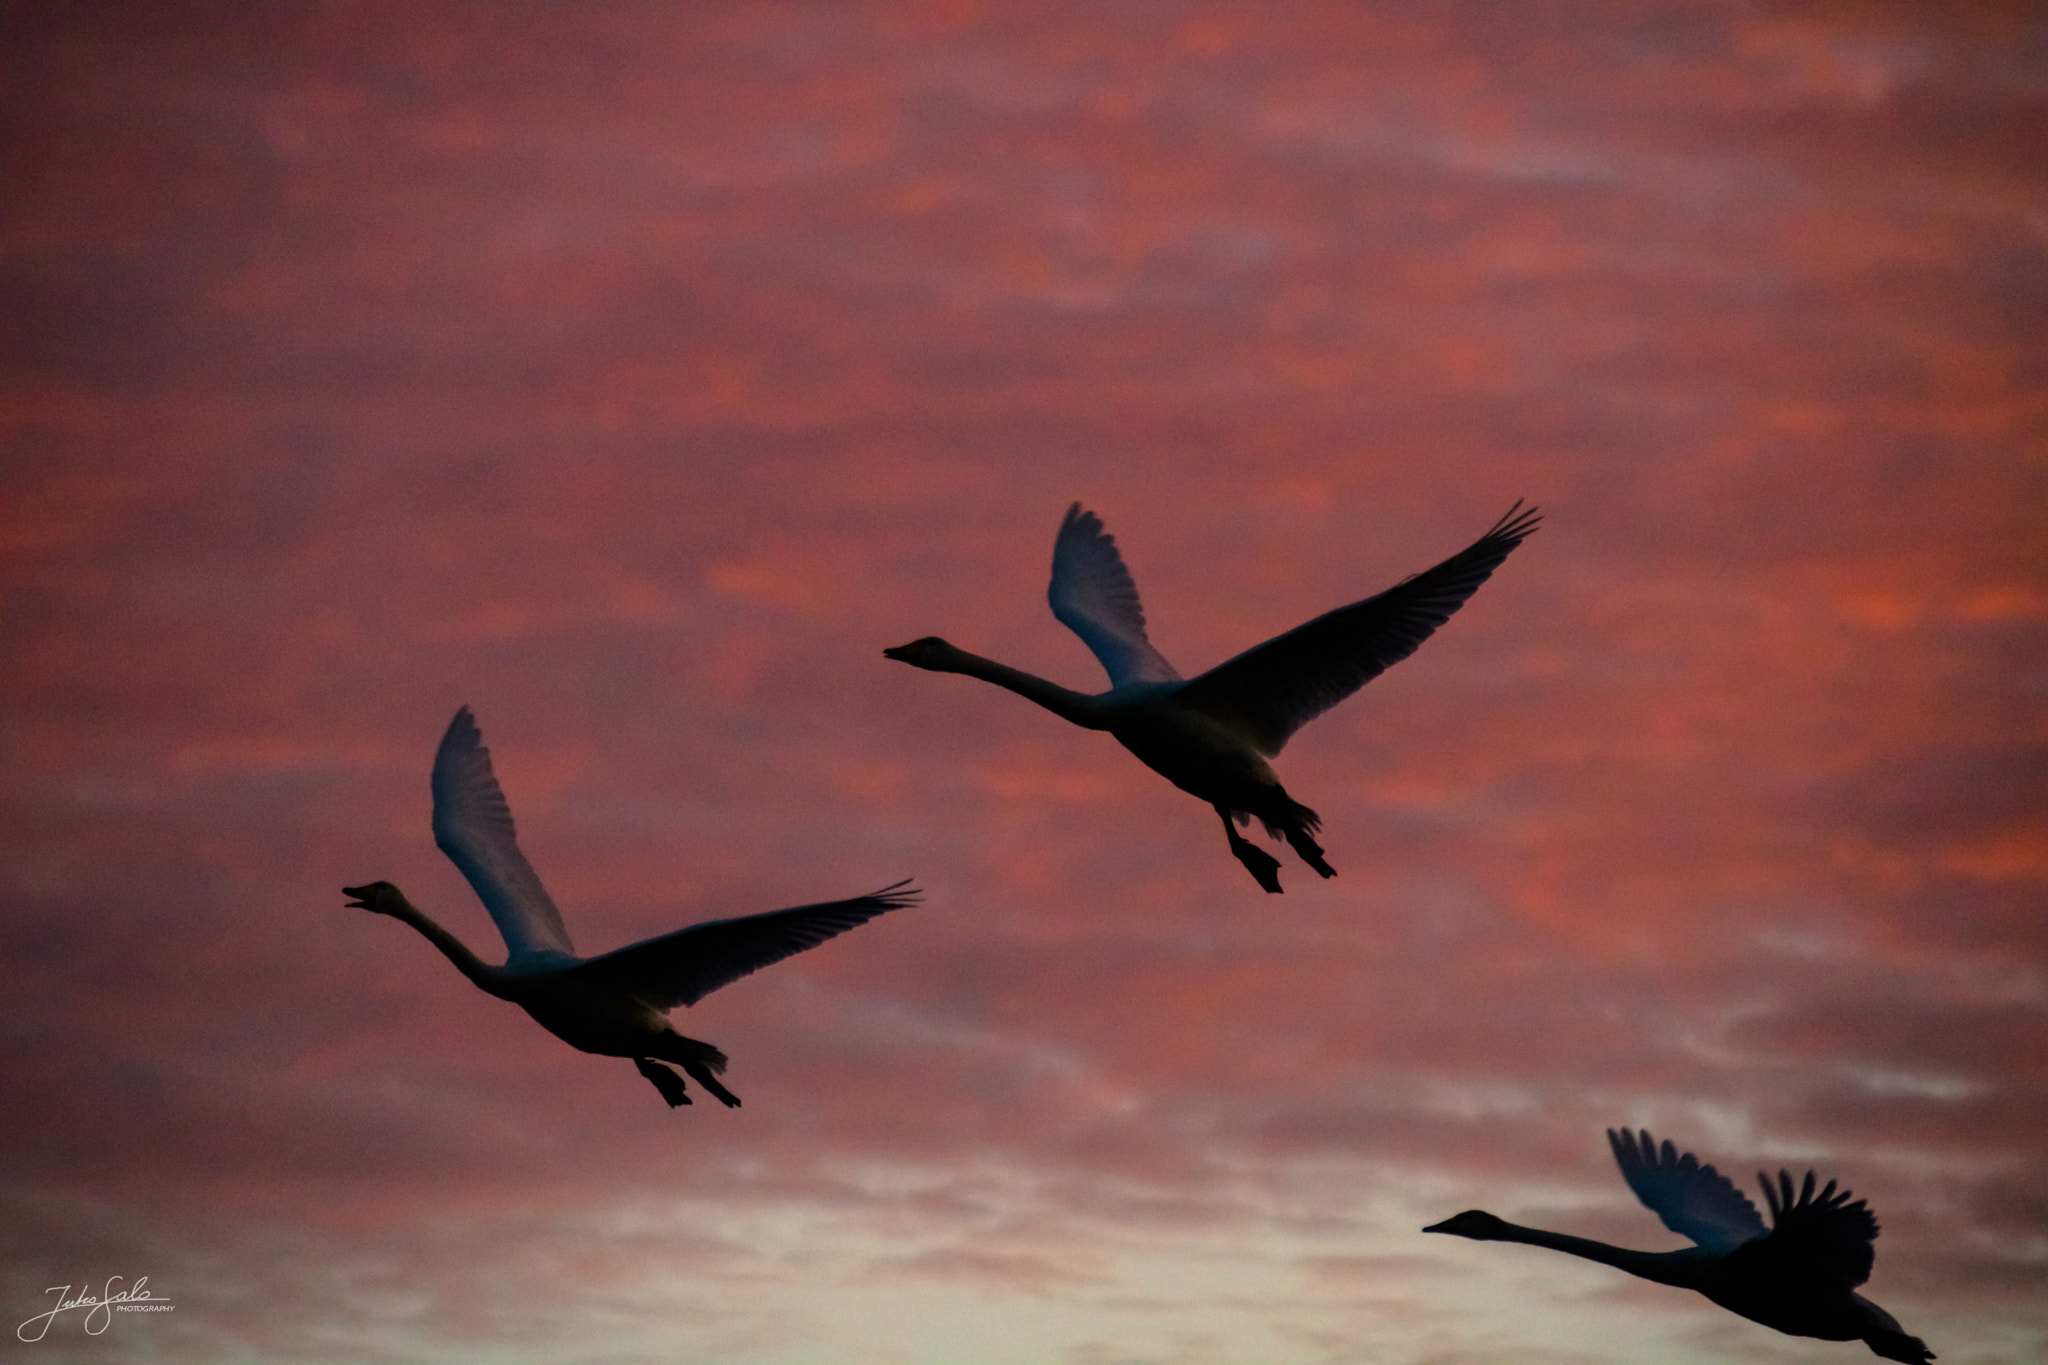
(634, 373)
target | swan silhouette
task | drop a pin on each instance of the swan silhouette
(1798, 1276)
(1211, 735)
(614, 1004)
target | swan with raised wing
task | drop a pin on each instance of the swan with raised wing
(1212, 735)
(615, 1004)
(1798, 1276)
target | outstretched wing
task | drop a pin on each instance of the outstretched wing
(1093, 595)
(684, 967)
(473, 826)
(1821, 1235)
(1270, 691)
(1694, 1201)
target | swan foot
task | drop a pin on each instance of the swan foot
(1311, 852)
(667, 1082)
(1263, 866)
(700, 1061)
(702, 1075)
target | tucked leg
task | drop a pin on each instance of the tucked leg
(1263, 866)
(667, 1082)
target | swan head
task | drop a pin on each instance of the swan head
(1477, 1224)
(930, 652)
(379, 897)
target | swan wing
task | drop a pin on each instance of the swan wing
(1819, 1235)
(1694, 1200)
(683, 967)
(1270, 691)
(473, 826)
(1094, 596)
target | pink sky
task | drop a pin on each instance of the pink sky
(634, 373)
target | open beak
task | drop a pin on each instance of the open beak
(901, 654)
(361, 894)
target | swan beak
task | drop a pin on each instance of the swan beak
(1444, 1226)
(901, 654)
(374, 896)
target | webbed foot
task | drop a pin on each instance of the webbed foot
(1263, 866)
(1311, 852)
(702, 1075)
(667, 1082)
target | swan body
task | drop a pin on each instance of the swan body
(615, 1004)
(1212, 735)
(1798, 1276)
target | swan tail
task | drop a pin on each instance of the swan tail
(689, 1052)
(1300, 816)
(1283, 815)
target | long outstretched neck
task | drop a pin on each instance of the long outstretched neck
(486, 976)
(1679, 1268)
(1078, 707)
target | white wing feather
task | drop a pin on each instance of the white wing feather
(1094, 596)
(473, 826)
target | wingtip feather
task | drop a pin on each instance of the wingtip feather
(1779, 1194)
(897, 897)
(1517, 524)
(1078, 521)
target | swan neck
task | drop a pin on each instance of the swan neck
(1665, 1267)
(1078, 707)
(486, 976)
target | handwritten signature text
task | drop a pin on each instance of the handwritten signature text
(98, 1309)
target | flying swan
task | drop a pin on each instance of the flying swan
(1211, 735)
(1799, 1276)
(613, 1005)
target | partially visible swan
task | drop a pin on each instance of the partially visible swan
(1211, 735)
(1799, 1276)
(612, 1005)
